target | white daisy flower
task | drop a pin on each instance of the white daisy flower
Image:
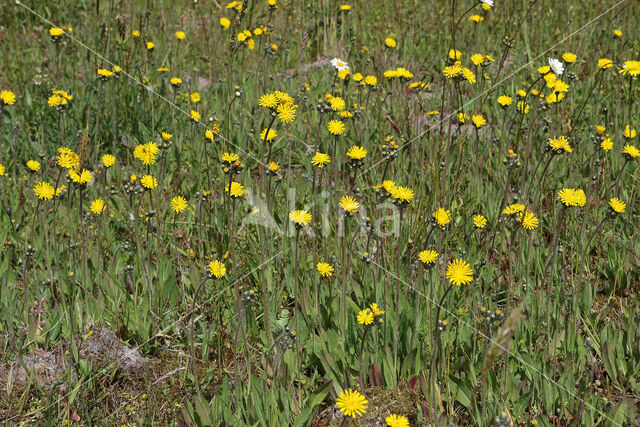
(556, 66)
(339, 64)
(489, 2)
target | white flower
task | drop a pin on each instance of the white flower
(489, 2)
(339, 64)
(556, 66)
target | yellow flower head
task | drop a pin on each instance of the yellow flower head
(325, 269)
(428, 257)
(44, 191)
(513, 209)
(631, 152)
(528, 220)
(217, 269)
(402, 195)
(442, 217)
(617, 206)
(505, 100)
(365, 317)
(178, 204)
(560, 145)
(7, 98)
(108, 160)
(300, 217)
(237, 190)
(82, 177)
(224, 22)
(355, 152)
(459, 272)
(97, 206)
(320, 159)
(149, 182)
(270, 136)
(572, 197)
(180, 35)
(631, 67)
(395, 420)
(335, 127)
(629, 132)
(479, 221)
(349, 204)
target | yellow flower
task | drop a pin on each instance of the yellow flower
(569, 57)
(606, 144)
(180, 35)
(523, 107)
(352, 403)
(572, 197)
(349, 204)
(617, 33)
(325, 269)
(631, 67)
(97, 206)
(224, 22)
(505, 100)
(150, 46)
(195, 116)
(320, 159)
(479, 221)
(108, 160)
(600, 129)
(2, 170)
(43, 190)
(365, 317)
(454, 54)
(631, 152)
(604, 63)
(394, 420)
(55, 32)
(389, 42)
(478, 120)
(146, 153)
(459, 272)
(528, 220)
(287, 112)
(513, 209)
(371, 80)
(217, 269)
(442, 217)
(135, 33)
(273, 166)
(175, 81)
(560, 145)
(104, 73)
(428, 257)
(476, 18)
(237, 190)
(178, 204)
(345, 7)
(270, 136)
(82, 177)
(356, 152)
(629, 132)
(617, 206)
(7, 98)
(300, 217)
(229, 158)
(401, 194)
(335, 127)
(375, 309)
(269, 100)
(166, 136)
(149, 182)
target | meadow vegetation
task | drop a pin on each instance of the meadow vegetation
(319, 212)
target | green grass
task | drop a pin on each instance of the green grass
(272, 342)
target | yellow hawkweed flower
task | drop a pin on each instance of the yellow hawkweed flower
(97, 206)
(44, 191)
(300, 217)
(178, 204)
(325, 269)
(459, 272)
(217, 269)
